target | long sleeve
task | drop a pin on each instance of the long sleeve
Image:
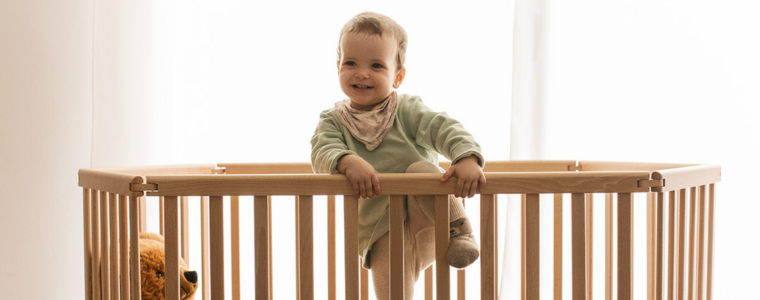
(439, 132)
(328, 144)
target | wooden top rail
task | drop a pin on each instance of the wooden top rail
(266, 168)
(164, 170)
(108, 181)
(393, 184)
(297, 178)
(491, 166)
(584, 166)
(681, 178)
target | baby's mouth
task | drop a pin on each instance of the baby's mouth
(361, 86)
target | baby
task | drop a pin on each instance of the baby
(376, 130)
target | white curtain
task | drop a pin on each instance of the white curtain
(652, 81)
(525, 141)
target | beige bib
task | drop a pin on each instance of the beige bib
(369, 127)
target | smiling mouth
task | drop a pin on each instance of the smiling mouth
(361, 87)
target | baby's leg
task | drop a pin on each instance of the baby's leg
(463, 250)
(419, 240)
(380, 263)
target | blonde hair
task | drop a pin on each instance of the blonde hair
(372, 23)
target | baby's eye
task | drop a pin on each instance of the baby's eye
(377, 65)
(349, 63)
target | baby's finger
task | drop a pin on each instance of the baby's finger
(449, 173)
(376, 185)
(362, 189)
(356, 188)
(482, 182)
(459, 188)
(473, 189)
(466, 187)
(368, 188)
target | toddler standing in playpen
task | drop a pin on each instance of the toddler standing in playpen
(376, 130)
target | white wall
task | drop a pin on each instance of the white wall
(663, 81)
(45, 128)
(132, 110)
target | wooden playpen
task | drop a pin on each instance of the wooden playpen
(679, 267)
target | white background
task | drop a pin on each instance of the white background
(105, 84)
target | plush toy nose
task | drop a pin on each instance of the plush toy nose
(191, 276)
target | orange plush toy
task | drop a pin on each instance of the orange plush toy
(152, 270)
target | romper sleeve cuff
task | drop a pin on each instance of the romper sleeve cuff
(334, 163)
(481, 161)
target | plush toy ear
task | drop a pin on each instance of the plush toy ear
(151, 236)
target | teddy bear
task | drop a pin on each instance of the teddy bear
(152, 270)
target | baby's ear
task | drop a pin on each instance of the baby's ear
(400, 74)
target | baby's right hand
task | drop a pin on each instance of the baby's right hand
(361, 174)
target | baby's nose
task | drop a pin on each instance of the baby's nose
(362, 74)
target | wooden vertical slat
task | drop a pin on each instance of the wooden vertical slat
(557, 246)
(331, 281)
(608, 236)
(579, 246)
(261, 244)
(461, 291)
(487, 248)
(205, 255)
(461, 287)
(235, 245)
(105, 272)
(429, 283)
(701, 242)
(658, 244)
(95, 233)
(216, 245)
(681, 194)
(185, 229)
(692, 215)
(298, 247)
(306, 236)
(115, 246)
(134, 247)
(625, 246)
(271, 277)
(363, 282)
(442, 246)
(161, 213)
(351, 246)
(171, 247)
(396, 247)
(143, 214)
(671, 243)
(496, 241)
(523, 197)
(589, 246)
(532, 247)
(124, 236)
(710, 240)
(651, 221)
(88, 255)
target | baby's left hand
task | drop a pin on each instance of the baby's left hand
(470, 177)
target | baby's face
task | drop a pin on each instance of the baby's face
(367, 69)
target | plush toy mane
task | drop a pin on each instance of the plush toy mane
(152, 270)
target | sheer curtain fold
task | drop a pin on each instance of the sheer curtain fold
(526, 136)
(651, 81)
